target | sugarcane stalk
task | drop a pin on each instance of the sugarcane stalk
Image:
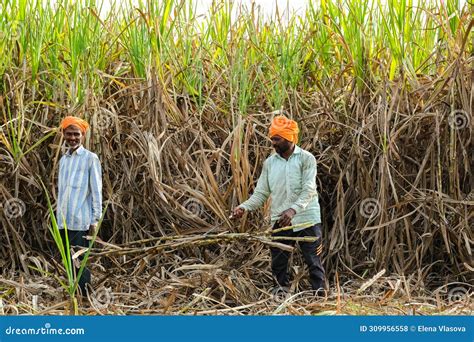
(194, 241)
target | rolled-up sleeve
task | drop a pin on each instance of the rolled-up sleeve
(95, 183)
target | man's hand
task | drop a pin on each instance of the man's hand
(285, 217)
(92, 229)
(238, 212)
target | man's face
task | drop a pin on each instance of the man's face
(280, 144)
(73, 136)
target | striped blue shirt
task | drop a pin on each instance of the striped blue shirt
(291, 184)
(79, 190)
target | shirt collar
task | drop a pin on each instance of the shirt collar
(80, 150)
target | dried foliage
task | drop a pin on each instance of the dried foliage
(179, 120)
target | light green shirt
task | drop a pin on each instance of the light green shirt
(291, 184)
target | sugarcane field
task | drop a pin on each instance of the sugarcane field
(218, 157)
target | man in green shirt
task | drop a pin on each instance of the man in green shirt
(289, 177)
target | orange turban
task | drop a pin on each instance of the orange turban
(285, 128)
(72, 120)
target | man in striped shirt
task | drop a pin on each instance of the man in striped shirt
(289, 177)
(79, 190)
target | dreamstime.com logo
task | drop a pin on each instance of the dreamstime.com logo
(14, 208)
(103, 119)
(101, 298)
(459, 119)
(46, 330)
(116, 197)
(192, 208)
(280, 294)
(369, 208)
(458, 294)
(450, 217)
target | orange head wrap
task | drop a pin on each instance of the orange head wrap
(72, 120)
(285, 128)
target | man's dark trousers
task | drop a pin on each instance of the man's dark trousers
(77, 238)
(310, 250)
